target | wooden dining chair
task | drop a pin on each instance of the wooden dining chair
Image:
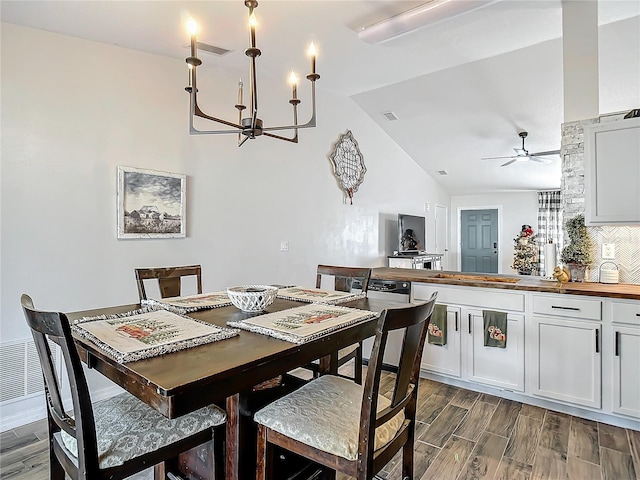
(169, 279)
(117, 437)
(344, 426)
(343, 282)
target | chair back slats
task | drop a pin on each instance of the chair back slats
(412, 346)
(415, 320)
(344, 277)
(54, 326)
(169, 279)
(391, 411)
(169, 287)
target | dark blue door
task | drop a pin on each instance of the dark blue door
(479, 242)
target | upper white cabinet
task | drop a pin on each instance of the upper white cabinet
(612, 172)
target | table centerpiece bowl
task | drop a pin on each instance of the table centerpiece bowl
(252, 298)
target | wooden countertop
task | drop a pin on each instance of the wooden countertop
(507, 282)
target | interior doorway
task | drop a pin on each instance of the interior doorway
(442, 229)
(479, 240)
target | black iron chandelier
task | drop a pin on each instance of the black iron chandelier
(250, 126)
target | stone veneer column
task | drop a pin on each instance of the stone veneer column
(573, 203)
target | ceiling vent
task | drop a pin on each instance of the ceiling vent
(390, 116)
(212, 49)
(443, 172)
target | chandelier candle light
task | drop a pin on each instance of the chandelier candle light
(251, 126)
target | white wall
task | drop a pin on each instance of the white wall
(73, 110)
(516, 209)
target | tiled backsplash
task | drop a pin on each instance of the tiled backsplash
(626, 239)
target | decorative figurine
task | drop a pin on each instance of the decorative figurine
(562, 275)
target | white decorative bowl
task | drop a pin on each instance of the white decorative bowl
(252, 298)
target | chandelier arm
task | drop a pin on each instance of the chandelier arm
(196, 112)
(310, 124)
(294, 139)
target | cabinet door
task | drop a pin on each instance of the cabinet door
(626, 367)
(567, 360)
(445, 359)
(612, 172)
(501, 367)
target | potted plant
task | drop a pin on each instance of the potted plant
(577, 255)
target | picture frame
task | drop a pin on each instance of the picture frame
(151, 204)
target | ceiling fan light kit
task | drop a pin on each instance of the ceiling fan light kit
(523, 155)
(251, 126)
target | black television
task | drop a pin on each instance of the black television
(411, 234)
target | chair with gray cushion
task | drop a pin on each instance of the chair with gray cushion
(117, 437)
(169, 279)
(344, 426)
(343, 281)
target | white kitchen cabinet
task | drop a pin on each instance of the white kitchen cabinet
(612, 172)
(566, 348)
(500, 367)
(467, 357)
(626, 358)
(445, 359)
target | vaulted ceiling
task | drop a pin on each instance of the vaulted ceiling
(461, 88)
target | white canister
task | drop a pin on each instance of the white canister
(608, 275)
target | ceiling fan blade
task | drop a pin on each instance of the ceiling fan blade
(550, 152)
(509, 162)
(521, 152)
(539, 160)
(494, 158)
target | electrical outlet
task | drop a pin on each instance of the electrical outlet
(608, 251)
(427, 207)
(284, 245)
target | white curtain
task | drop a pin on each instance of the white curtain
(549, 225)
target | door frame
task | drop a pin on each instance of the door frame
(447, 235)
(459, 229)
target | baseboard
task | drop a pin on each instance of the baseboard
(539, 402)
(24, 417)
(387, 367)
(33, 409)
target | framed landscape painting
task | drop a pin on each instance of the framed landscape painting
(151, 204)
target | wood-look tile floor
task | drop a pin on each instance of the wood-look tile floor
(460, 435)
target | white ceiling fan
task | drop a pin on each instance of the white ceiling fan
(523, 155)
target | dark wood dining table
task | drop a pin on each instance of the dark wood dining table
(221, 372)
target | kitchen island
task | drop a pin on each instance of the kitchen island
(572, 347)
(508, 282)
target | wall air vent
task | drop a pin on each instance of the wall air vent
(443, 172)
(212, 49)
(390, 116)
(20, 371)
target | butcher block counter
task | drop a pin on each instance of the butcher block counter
(507, 282)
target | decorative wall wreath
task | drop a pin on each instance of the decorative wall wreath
(348, 164)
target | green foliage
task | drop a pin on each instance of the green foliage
(580, 249)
